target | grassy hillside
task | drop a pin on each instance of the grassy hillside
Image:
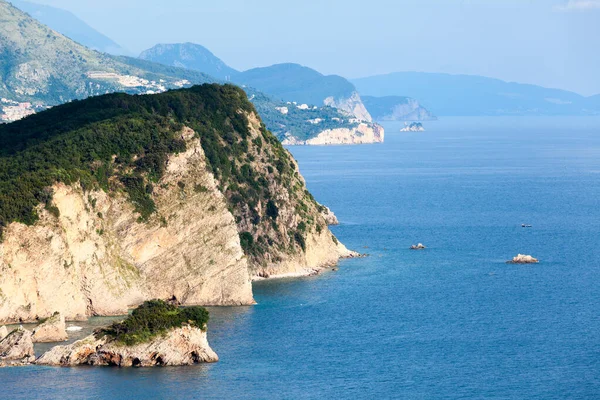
(120, 143)
(41, 66)
(69, 25)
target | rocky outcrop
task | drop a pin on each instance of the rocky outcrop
(97, 259)
(329, 216)
(362, 133)
(51, 330)
(419, 246)
(523, 259)
(181, 346)
(352, 105)
(3, 332)
(413, 127)
(17, 348)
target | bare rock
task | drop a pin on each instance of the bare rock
(181, 346)
(17, 348)
(419, 246)
(523, 259)
(329, 216)
(3, 332)
(51, 330)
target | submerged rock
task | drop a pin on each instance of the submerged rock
(17, 348)
(523, 259)
(419, 246)
(180, 346)
(51, 330)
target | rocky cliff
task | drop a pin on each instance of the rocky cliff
(352, 105)
(362, 133)
(225, 206)
(17, 348)
(187, 345)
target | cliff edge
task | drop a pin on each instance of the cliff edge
(183, 195)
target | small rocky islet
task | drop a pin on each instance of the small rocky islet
(155, 334)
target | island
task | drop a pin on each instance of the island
(413, 127)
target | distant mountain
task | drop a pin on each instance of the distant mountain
(40, 67)
(69, 25)
(296, 83)
(396, 108)
(191, 56)
(465, 95)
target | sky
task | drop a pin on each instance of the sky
(552, 43)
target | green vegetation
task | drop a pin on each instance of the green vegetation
(296, 121)
(153, 318)
(120, 143)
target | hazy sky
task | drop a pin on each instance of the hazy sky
(553, 43)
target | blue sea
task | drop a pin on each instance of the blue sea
(451, 322)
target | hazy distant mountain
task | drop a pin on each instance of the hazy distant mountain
(464, 95)
(69, 25)
(190, 56)
(40, 67)
(293, 82)
(396, 108)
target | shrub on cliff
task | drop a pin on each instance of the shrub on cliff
(153, 318)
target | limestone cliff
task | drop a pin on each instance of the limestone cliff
(187, 345)
(352, 105)
(226, 207)
(101, 260)
(17, 348)
(361, 134)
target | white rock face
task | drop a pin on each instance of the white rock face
(182, 346)
(414, 127)
(97, 259)
(362, 134)
(330, 217)
(17, 348)
(352, 105)
(524, 259)
(3, 332)
(52, 330)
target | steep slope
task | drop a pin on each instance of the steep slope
(182, 195)
(191, 56)
(296, 83)
(40, 67)
(69, 25)
(396, 108)
(463, 95)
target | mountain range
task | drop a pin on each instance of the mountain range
(466, 95)
(190, 56)
(41, 68)
(69, 25)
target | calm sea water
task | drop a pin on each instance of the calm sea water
(453, 321)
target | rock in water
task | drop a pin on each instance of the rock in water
(180, 346)
(3, 332)
(330, 218)
(419, 246)
(51, 330)
(17, 348)
(523, 259)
